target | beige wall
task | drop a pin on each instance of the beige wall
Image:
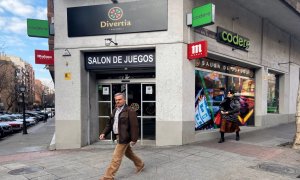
(76, 104)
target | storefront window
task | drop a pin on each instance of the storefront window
(213, 79)
(273, 93)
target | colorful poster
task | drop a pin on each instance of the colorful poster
(211, 87)
(202, 113)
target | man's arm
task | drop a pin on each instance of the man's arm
(107, 128)
(134, 126)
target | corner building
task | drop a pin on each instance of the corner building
(140, 48)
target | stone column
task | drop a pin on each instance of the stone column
(175, 84)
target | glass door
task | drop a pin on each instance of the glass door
(148, 111)
(139, 96)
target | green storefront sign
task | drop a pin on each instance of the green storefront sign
(203, 15)
(37, 28)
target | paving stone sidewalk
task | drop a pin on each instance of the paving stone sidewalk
(261, 154)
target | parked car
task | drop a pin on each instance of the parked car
(17, 118)
(7, 129)
(38, 116)
(16, 126)
(45, 115)
(1, 132)
(30, 121)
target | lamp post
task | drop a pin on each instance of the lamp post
(22, 90)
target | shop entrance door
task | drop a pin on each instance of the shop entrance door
(140, 96)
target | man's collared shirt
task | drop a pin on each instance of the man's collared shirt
(116, 120)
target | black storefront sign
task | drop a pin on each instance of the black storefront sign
(206, 32)
(121, 60)
(137, 16)
(206, 63)
(232, 39)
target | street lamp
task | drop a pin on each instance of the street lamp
(22, 90)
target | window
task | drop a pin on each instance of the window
(273, 93)
(212, 81)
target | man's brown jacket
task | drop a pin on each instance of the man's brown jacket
(128, 125)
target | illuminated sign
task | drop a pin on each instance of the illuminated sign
(197, 50)
(130, 17)
(203, 15)
(232, 39)
(37, 28)
(119, 60)
(44, 57)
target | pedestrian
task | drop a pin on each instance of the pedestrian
(230, 108)
(123, 124)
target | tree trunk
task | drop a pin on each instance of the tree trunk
(296, 144)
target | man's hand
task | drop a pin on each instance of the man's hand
(102, 136)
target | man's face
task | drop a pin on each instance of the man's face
(120, 101)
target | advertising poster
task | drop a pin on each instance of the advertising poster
(212, 84)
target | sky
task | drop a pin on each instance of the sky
(13, 33)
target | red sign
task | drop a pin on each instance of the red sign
(197, 50)
(44, 57)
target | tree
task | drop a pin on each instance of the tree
(296, 144)
(8, 84)
(4, 68)
(12, 97)
(49, 99)
(38, 94)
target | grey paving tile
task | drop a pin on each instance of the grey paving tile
(46, 177)
(13, 177)
(13, 166)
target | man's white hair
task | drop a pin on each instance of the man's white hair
(120, 94)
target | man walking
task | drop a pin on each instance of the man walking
(124, 126)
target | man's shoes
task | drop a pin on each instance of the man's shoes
(221, 140)
(139, 170)
(105, 178)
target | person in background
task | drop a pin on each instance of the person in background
(124, 126)
(230, 108)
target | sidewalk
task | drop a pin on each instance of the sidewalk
(37, 139)
(258, 155)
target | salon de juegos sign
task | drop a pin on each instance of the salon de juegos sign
(119, 59)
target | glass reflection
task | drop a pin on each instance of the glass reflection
(104, 108)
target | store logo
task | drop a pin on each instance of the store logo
(115, 13)
(44, 57)
(197, 50)
(203, 15)
(232, 39)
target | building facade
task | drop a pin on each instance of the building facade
(140, 48)
(14, 73)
